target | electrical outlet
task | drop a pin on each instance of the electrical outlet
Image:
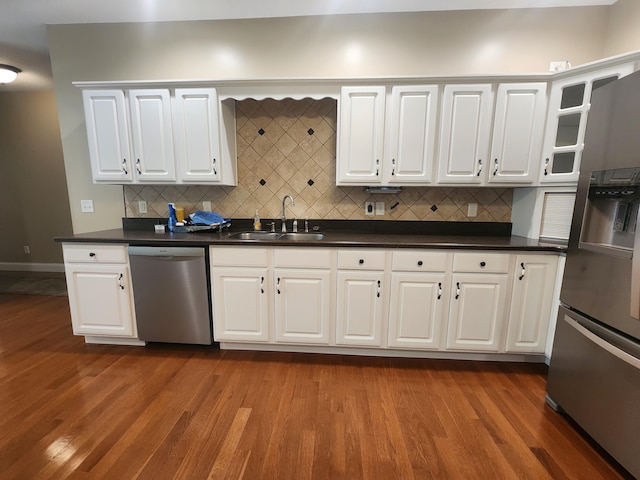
(86, 206)
(472, 210)
(369, 209)
(142, 206)
(206, 206)
(27, 249)
(379, 208)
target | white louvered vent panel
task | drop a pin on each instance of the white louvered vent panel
(557, 212)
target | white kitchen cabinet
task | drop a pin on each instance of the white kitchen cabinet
(419, 299)
(412, 135)
(531, 302)
(302, 305)
(418, 309)
(479, 300)
(108, 135)
(197, 134)
(240, 293)
(99, 290)
(360, 297)
(478, 312)
(359, 308)
(302, 294)
(152, 135)
(569, 104)
(361, 135)
(240, 309)
(465, 128)
(518, 130)
(387, 143)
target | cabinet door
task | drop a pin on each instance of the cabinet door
(361, 135)
(197, 135)
(240, 307)
(477, 312)
(412, 134)
(464, 135)
(100, 299)
(108, 135)
(359, 313)
(569, 105)
(302, 305)
(518, 130)
(152, 136)
(417, 312)
(532, 297)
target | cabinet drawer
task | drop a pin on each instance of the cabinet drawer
(94, 253)
(238, 256)
(481, 262)
(361, 259)
(302, 257)
(420, 261)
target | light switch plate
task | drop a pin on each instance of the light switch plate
(206, 206)
(379, 208)
(472, 210)
(86, 206)
(142, 206)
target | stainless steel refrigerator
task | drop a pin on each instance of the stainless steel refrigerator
(594, 374)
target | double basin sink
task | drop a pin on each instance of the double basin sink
(295, 236)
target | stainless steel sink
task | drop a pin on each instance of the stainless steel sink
(301, 236)
(295, 236)
(256, 235)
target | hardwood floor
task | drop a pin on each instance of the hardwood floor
(71, 410)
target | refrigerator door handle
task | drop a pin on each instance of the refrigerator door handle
(613, 350)
(635, 276)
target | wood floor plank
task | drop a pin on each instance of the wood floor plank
(74, 411)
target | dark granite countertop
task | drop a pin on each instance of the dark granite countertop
(474, 238)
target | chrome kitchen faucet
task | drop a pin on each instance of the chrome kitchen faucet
(283, 215)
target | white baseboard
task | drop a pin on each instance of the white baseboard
(31, 267)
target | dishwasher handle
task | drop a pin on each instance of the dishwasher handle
(166, 252)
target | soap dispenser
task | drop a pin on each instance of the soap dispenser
(256, 222)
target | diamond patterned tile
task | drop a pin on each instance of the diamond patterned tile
(292, 161)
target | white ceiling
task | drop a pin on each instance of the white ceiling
(23, 38)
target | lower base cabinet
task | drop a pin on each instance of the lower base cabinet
(359, 311)
(302, 305)
(240, 310)
(417, 310)
(99, 290)
(532, 301)
(429, 300)
(478, 312)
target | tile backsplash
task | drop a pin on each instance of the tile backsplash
(288, 147)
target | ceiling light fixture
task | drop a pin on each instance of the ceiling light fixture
(8, 73)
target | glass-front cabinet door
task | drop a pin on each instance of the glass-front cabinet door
(569, 105)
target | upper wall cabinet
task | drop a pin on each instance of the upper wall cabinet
(361, 130)
(465, 127)
(152, 136)
(387, 141)
(199, 138)
(108, 135)
(412, 134)
(469, 154)
(569, 105)
(518, 129)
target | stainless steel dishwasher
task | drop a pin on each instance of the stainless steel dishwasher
(171, 294)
